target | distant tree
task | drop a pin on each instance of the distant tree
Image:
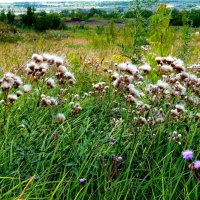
(176, 18)
(53, 20)
(194, 16)
(3, 16)
(41, 24)
(10, 16)
(48, 21)
(29, 18)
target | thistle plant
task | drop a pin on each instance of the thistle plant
(44, 69)
(194, 166)
(9, 83)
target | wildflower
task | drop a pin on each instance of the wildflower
(115, 76)
(60, 118)
(133, 91)
(179, 65)
(112, 142)
(122, 66)
(17, 81)
(132, 69)
(71, 103)
(37, 58)
(131, 99)
(180, 107)
(109, 71)
(175, 113)
(19, 93)
(166, 68)
(12, 97)
(62, 69)
(82, 180)
(5, 86)
(119, 158)
(58, 60)
(197, 164)
(54, 101)
(188, 155)
(50, 83)
(162, 84)
(143, 120)
(76, 96)
(27, 88)
(145, 68)
(2, 102)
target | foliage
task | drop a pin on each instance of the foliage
(29, 18)
(159, 30)
(10, 16)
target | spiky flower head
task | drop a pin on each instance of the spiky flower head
(60, 118)
(188, 155)
(197, 164)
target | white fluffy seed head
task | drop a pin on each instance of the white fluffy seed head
(60, 117)
(27, 88)
(145, 68)
(12, 97)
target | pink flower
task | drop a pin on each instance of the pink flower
(82, 180)
(188, 155)
(197, 164)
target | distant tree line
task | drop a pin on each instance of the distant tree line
(39, 21)
(43, 21)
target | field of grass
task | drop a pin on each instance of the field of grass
(116, 132)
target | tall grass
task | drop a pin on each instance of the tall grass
(34, 146)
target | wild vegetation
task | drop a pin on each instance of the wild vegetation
(103, 112)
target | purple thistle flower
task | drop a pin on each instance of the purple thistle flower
(188, 155)
(197, 164)
(82, 180)
(119, 159)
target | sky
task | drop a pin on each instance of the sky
(6, 1)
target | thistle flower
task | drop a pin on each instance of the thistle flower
(17, 81)
(166, 68)
(12, 97)
(162, 84)
(119, 158)
(145, 68)
(19, 93)
(132, 69)
(82, 180)
(58, 60)
(175, 113)
(197, 164)
(180, 107)
(179, 65)
(62, 69)
(47, 57)
(5, 86)
(50, 83)
(188, 155)
(27, 88)
(37, 57)
(131, 99)
(60, 118)
(54, 101)
(76, 96)
(133, 91)
(115, 76)
(2, 102)
(122, 66)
